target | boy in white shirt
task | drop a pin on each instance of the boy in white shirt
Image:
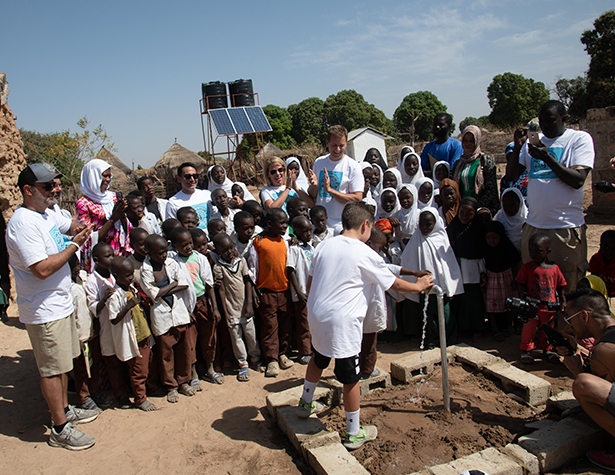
(337, 305)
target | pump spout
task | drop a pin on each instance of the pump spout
(442, 329)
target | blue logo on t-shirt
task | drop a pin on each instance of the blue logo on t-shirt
(335, 178)
(202, 211)
(539, 169)
(58, 238)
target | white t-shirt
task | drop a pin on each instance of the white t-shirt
(346, 176)
(200, 200)
(342, 271)
(123, 334)
(553, 204)
(300, 259)
(31, 237)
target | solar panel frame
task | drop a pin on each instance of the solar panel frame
(222, 122)
(240, 120)
(258, 118)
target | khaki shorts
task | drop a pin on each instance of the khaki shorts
(55, 344)
(568, 251)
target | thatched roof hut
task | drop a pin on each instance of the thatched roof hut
(167, 165)
(123, 178)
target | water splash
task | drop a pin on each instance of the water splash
(422, 381)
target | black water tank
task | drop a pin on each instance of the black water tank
(214, 95)
(242, 94)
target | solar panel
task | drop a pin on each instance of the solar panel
(258, 119)
(222, 121)
(240, 120)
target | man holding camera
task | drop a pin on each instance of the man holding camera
(588, 315)
(558, 164)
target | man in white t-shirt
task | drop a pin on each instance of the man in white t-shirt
(38, 255)
(189, 195)
(558, 163)
(336, 179)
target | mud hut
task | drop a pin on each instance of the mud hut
(123, 178)
(167, 165)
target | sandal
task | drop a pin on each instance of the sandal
(527, 358)
(244, 375)
(173, 396)
(551, 356)
(146, 406)
(186, 390)
(196, 384)
(215, 378)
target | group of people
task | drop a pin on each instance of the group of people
(168, 292)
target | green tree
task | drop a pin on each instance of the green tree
(282, 125)
(514, 99)
(482, 121)
(67, 151)
(573, 94)
(308, 121)
(414, 117)
(350, 109)
(600, 45)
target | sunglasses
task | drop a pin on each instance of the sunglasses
(193, 176)
(567, 319)
(48, 186)
(277, 170)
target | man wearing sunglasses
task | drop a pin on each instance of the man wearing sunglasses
(189, 195)
(588, 315)
(38, 255)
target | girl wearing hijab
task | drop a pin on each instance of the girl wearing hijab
(406, 219)
(501, 259)
(391, 178)
(475, 172)
(218, 179)
(103, 209)
(293, 164)
(376, 182)
(450, 199)
(240, 194)
(373, 157)
(410, 168)
(467, 240)
(429, 249)
(389, 204)
(424, 190)
(512, 215)
(441, 171)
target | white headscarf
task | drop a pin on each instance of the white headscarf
(91, 179)
(404, 150)
(380, 213)
(376, 190)
(434, 253)
(436, 182)
(418, 185)
(302, 181)
(226, 185)
(397, 174)
(513, 224)
(247, 196)
(408, 218)
(404, 176)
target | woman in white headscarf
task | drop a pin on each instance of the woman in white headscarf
(425, 199)
(293, 164)
(102, 208)
(512, 215)
(218, 179)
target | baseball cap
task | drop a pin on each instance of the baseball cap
(37, 173)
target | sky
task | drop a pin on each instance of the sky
(136, 67)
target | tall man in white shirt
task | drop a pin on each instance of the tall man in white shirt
(558, 164)
(336, 179)
(38, 255)
(189, 195)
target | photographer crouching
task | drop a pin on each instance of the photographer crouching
(588, 315)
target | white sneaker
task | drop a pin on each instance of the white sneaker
(70, 438)
(77, 415)
(366, 433)
(273, 369)
(285, 363)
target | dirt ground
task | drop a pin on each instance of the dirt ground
(414, 432)
(223, 430)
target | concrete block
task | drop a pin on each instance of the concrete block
(290, 397)
(560, 443)
(562, 401)
(334, 459)
(405, 369)
(490, 461)
(531, 388)
(300, 431)
(528, 461)
(474, 357)
(383, 380)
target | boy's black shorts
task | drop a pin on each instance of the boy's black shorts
(347, 370)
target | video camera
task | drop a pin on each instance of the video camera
(526, 308)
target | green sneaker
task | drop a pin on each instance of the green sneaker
(366, 433)
(305, 410)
